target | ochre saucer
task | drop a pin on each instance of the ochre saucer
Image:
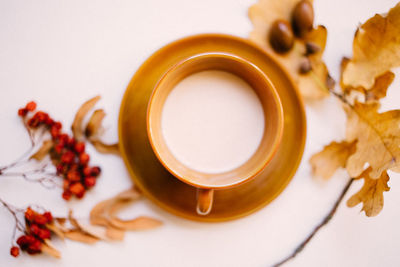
(172, 194)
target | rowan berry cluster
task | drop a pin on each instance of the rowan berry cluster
(67, 154)
(35, 233)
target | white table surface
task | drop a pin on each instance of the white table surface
(61, 53)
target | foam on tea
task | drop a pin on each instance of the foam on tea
(212, 121)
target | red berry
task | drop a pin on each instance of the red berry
(30, 239)
(96, 171)
(22, 112)
(14, 251)
(49, 122)
(34, 247)
(66, 195)
(44, 234)
(33, 122)
(76, 189)
(73, 176)
(41, 116)
(63, 138)
(66, 184)
(90, 181)
(34, 228)
(22, 240)
(81, 194)
(87, 171)
(31, 106)
(40, 219)
(84, 159)
(48, 216)
(68, 157)
(54, 131)
(79, 147)
(25, 240)
(71, 142)
(61, 168)
(57, 125)
(30, 214)
(58, 148)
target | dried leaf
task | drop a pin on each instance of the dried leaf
(332, 157)
(105, 148)
(61, 221)
(83, 110)
(100, 214)
(72, 220)
(115, 233)
(376, 49)
(93, 230)
(380, 87)
(49, 249)
(94, 124)
(378, 139)
(43, 150)
(312, 85)
(79, 236)
(376, 92)
(56, 230)
(140, 223)
(371, 194)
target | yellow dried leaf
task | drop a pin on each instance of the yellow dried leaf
(105, 148)
(43, 150)
(371, 194)
(376, 49)
(80, 236)
(93, 230)
(140, 223)
(72, 220)
(380, 87)
(49, 249)
(76, 127)
(56, 230)
(94, 124)
(376, 92)
(377, 136)
(332, 157)
(115, 233)
(101, 213)
(312, 85)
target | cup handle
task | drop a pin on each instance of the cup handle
(204, 201)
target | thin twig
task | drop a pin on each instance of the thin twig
(324, 222)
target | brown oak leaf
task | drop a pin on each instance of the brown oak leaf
(376, 49)
(312, 85)
(375, 93)
(331, 158)
(377, 136)
(371, 194)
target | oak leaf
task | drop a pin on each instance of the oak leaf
(376, 49)
(371, 194)
(377, 136)
(331, 158)
(375, 93)
(312, 85)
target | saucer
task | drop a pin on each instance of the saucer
(176, 196)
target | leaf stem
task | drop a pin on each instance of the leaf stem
(324, 222)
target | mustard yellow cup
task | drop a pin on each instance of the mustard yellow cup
(206, 183)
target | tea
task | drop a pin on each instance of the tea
(212, 121)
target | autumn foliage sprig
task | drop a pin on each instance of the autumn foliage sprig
(66, 153)
(34, 224)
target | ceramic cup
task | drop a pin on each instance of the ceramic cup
(206, 183)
